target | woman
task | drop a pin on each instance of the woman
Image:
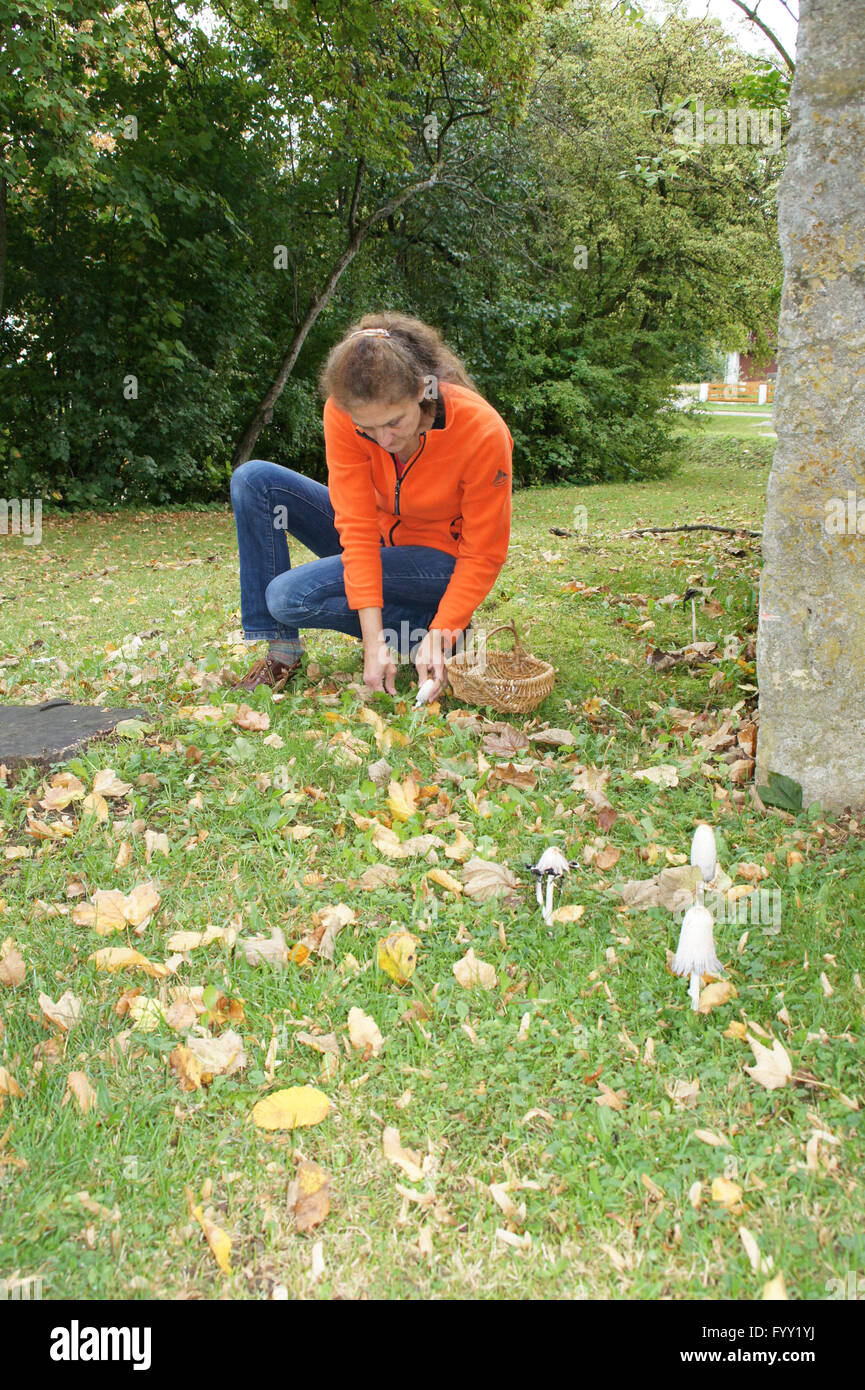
(412, 528)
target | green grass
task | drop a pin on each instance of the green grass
(594, 991)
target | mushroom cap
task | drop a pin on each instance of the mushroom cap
(704, 852)
(695, 954)
(552, 861)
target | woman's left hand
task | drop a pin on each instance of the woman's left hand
(429, 660)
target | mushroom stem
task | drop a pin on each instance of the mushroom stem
(694, 991)
(694, 620)
(548, 910)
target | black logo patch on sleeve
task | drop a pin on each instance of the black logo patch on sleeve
(501, 477)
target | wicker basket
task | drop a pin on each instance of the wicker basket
(512, 682)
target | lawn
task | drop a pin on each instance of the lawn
(575, 1131)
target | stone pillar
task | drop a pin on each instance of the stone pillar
(811, 633)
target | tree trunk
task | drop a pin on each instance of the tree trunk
(263, 412)
(811, 632)
(2, 241)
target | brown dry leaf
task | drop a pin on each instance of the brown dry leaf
(327, 923)
(309, 1195)
(63, 1014)
(121, 957)
(222, 1056)
(505, 740)
(265, 950)
(661, 775)
(607, 858)
(406, 1159)
(292, 1108)
(320, 1042)
(247, 718)
(461, 848)
(708, 1136)
(186, 1068)
(772, 1066)
(379, 876)
(106, 911)
(141, 903)
(501, 1196)
(77, 1085)
(752, 872)
(727, 1194)
(555, 738)
(64, 788)
(721, 992)
(485, 879)
(364, 1033)
(107, 783)
(155, 842)
(191, 940)
(682, 1093)
(8, 1085)
(470, 971)
(656, 1193)
(514, 775)
(616, 1100)
(219, 1242)
(12, 967)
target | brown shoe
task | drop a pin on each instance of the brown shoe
(267, 671)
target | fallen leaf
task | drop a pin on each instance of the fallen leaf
(78, 1086)
(773, 1067)
(121, 957)
(726, 1193)
(291, 1109)
(406, 1159)
(720, 992)
(486, 879)
(397, 955)
(616, 1100)
(572, 912)
(662, 775)
(64, 1014)
(708, 1136)
(8, 1085)
(219, 1242)
(186, 1068)
(12, 968)
(775, 1289)
(222, 1056)
(683, 1093)
(309, 1195)
(265, 950)
(471, 971)
(364, 1033)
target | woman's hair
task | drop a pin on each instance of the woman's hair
(388, 366)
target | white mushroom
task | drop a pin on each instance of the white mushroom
(424, 693)
(695, 955)
(551, 866)
(704, 852)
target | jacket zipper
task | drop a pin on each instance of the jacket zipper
(399, 481)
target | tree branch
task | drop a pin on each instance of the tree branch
(773, 39)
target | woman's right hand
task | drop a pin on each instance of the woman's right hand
(379, 668)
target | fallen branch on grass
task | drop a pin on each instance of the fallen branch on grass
(700, 526)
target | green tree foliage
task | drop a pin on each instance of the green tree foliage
(199, 201)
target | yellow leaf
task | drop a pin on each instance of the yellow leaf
(775, 1289)
(219, 1242)
(445, 880)
(571, 912)
(119, 957)
(63, 1014)
(291, 1109)
(397, 956)
(726, 1193)
(708, 1136)
(736, 1029)
(614, 1099)
(402, 799)
(186, 1068)
(12, 967)
(461, 848)
(720, 992)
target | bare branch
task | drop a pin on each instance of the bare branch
(773, 38)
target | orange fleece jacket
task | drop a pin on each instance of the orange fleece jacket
(454, 495)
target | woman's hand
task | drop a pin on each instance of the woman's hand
(379, 669)
(429, 660)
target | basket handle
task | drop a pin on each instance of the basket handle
(509, 627)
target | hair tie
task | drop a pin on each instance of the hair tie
(369, 332)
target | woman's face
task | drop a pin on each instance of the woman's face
(393, 425)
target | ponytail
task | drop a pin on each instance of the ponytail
(391, 362)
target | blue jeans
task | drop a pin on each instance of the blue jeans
(276, 600)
